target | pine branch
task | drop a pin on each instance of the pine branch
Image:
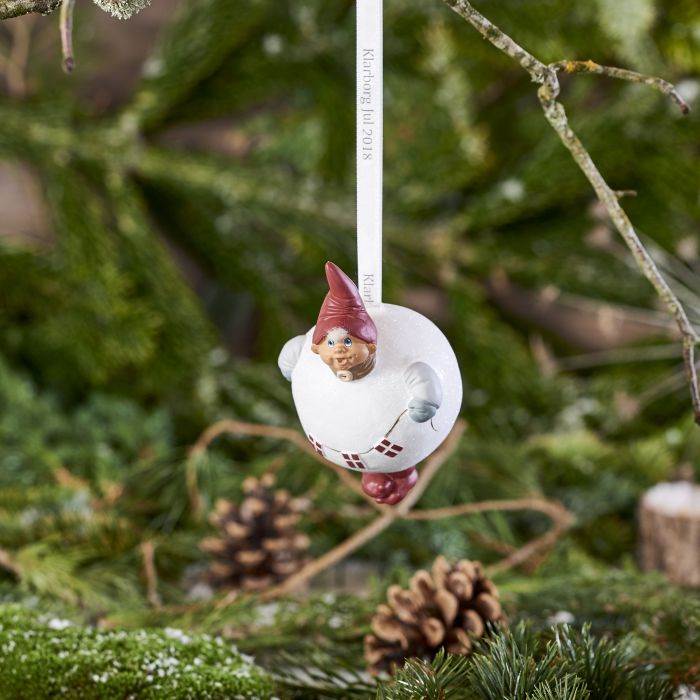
(523, 664)
(513, 664)
(608, 667)
(565, 688)
(546, 76)
(327, 675)
(193, 46)
(16, 8)
(445, 678)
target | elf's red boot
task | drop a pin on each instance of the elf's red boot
(389, 489)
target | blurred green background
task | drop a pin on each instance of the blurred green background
(165, 215)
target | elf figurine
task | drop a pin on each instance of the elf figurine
(367, 393)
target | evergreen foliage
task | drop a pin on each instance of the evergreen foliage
(177, 265)
(458, 201)
(445, 678)
(521, 665)
(664, 620)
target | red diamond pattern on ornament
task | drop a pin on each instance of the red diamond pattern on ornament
(388, 448)
(353, 460)
(316, 445)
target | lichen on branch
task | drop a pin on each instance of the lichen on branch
(16, 8)
(123, 9)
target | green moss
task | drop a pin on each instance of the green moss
(43, 657)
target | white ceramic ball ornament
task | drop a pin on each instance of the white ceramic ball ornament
(353, 417)
(393, 413)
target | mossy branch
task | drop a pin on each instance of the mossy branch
(546, 76)
(16, 8)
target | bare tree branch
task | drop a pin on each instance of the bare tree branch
(548, 92)
(387, 515)
(66, 25)
(148, 551)
(8, 563)
(234, 427)
(631, 76)
(14, 64)
(15, 8)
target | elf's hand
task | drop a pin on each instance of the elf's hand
(425, 390)
(420, 410)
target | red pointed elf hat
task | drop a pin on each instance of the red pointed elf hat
(343, 308)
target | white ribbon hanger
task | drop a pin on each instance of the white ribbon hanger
(369, 116)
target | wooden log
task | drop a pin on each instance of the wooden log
(669, 531)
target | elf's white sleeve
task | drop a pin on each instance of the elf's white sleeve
(425, 390)
(423, 383)
(290, 354)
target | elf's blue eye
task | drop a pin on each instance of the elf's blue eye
(347, 342)
(331, 343)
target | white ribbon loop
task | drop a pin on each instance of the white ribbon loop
(370, 68)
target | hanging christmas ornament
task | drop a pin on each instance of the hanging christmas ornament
(376, 386)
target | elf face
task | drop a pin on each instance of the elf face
(342, 352)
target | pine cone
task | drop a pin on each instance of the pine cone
(447, 608)
(258, 544)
